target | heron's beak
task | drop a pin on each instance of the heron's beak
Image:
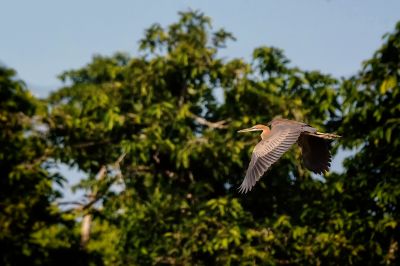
(249, 130)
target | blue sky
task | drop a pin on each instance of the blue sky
(42, 38)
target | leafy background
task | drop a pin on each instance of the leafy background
(155, 136)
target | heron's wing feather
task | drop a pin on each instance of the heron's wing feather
(268, 151)
(316, 154)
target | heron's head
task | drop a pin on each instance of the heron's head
(258, 127)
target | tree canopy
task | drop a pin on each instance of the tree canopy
(156, 136)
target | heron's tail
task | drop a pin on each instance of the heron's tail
(323, 135)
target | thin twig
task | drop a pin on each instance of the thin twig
(90, 143)
(70, 203)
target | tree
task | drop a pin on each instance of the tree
(21, 156)
(32, 230)
(371, 124)
(184, 158)
(156, 136)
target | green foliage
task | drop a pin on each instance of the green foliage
(29, 223)
(20, 157)
(173, 112)
(371, 122)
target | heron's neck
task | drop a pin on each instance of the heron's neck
(265, 133)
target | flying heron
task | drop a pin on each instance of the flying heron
(277, 140)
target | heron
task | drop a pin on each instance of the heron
(277, 140)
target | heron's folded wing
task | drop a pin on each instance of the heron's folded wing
(268, 151)
(316, 154)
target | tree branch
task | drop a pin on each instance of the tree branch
(204, 122)
(93, 198)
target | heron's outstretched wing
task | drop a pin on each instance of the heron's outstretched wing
(268, 151)
(316, 154)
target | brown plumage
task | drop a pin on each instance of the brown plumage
(275, 142)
